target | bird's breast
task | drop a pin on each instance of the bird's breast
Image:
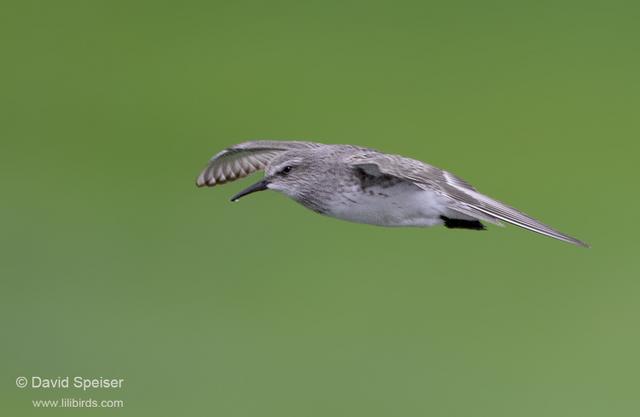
(396, 205)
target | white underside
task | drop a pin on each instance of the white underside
(399, 205)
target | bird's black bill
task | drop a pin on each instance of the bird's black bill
(258, 186)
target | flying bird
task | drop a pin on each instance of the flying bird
(363, 185)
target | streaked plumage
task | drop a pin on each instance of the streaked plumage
(363, 185)
(245, 158)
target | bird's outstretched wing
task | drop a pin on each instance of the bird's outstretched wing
(464, 198)
(243, 159)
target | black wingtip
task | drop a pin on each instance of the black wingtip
(450, 223)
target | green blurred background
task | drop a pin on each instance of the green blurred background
(114, 264)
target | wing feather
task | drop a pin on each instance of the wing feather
(464, 197)
(243, 159)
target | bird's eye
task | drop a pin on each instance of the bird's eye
(286, 170)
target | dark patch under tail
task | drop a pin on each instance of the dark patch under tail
(450, 223)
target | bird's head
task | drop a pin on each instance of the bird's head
(289, 173)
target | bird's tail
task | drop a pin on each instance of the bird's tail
(486, 208)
